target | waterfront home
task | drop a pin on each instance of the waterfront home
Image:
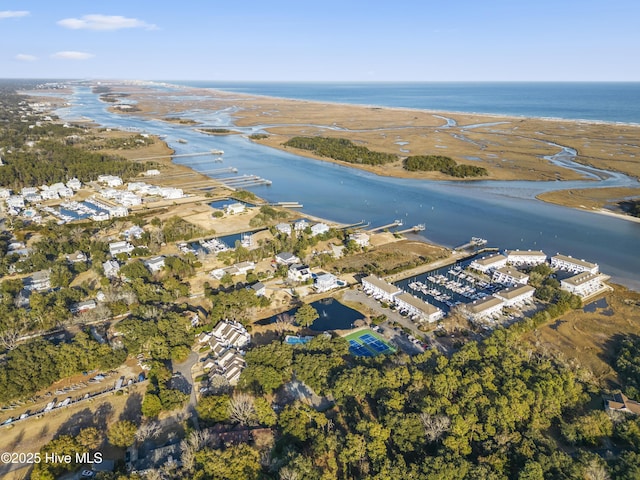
(234, 208)
(361, 238)
(170, 193)
(512, 296)
(283, 228)
(325, 282)
(380, 289)
(417, 308)
(299, 273)
(509, 276)
(120, 247)
(46, 194)
(488, 263)
(29, 191)
(485, 309)
(286, 258)
(5, 193)
(118, 211)
(585, 284)
(100, 216)
(525, 257)
(300, 225)
(570, 264)
(111, 268)
(319, 229)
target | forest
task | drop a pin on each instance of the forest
(439, 163)
(341, 149)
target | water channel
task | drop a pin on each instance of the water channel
(506, 213)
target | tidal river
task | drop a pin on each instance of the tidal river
(505, 213)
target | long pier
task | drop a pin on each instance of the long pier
(220, 171)
(181, 155)
(416, 228)
(396, 223)
(475, 242)
(287, 204)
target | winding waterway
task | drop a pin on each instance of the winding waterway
(505, 213)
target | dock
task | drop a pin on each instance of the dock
(396, 223)
(244, 181)
(474, 243)
(416, 228)
(182, 155)
(219, 171)
(287, 204)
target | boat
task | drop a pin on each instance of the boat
(182, 140)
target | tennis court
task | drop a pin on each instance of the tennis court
(365, 343)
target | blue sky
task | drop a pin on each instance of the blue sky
(347, 40)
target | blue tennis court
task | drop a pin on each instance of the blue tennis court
(374, 343)
(358, 349)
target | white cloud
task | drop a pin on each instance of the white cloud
(72, 55)
(13, 13)
(24, 57)
(104, 23)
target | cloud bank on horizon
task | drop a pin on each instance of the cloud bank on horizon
(286, 40)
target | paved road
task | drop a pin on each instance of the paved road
(184, 369)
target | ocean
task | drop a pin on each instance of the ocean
(592, 101)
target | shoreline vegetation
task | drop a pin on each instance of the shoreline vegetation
(506, 147)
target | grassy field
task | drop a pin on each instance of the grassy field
(591, 198)
(589, 339)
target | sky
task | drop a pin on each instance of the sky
(330, 40)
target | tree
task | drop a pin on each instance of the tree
(214, 408)
(306, 315)
(151, 405)
(90, 438)
(242, 410)
(235, 463)
(122, 433)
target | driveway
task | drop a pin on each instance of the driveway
(184, 371)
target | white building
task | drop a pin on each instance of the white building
(491, 262)
(300, 225)
(5, 193)
(319, 229)
(100, 216)
(570, 264)
(286, 258)
(120, 247)
(485, 309)
(284, 228)
(325, 282)
(512, 296)
(418, 308)
(118, 211)
(380, 289)
(110, 180)
(525, 257)
(49, 194)
(259, 289)
(585, 284)
(152, 173)
(170, 193)
(74, 184)
(29, 190)
(231, 334)
(235, 208)
(509, 276)
(15, 201)
(155, 264)
(361, 238)
(38, 281)
(111, 268)
(133, 232)
(299, 273)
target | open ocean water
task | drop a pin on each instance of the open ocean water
(593, 101)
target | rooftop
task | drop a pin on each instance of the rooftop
(381, 284)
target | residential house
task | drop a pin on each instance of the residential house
(120, 247)
(300, 226)
(621, 403)
(299, 273)
(74, 184)
(319, 229)
(361, 238)
(259, 289)
(38, 281)
(234, 208)
(77, 257)
(155, 264)
(286, 258)
(111, 268)
(284, 228)
(325, 282)
(15, 201)
(83, 306)
(110, 180)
